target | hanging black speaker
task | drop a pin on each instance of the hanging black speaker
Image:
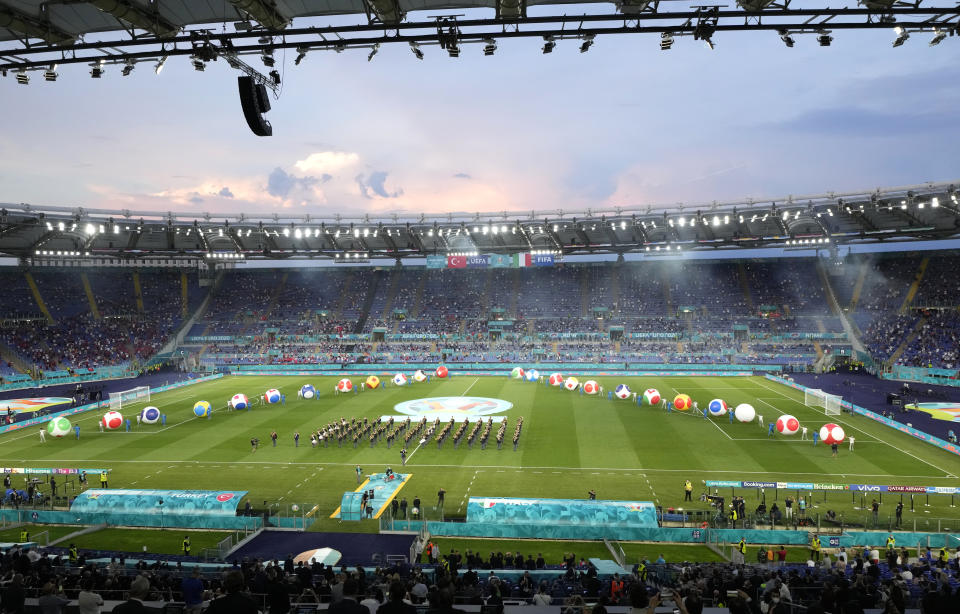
(255, 102)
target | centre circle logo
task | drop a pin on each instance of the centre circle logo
(467, 406)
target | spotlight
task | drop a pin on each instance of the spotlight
(22, 77)
(454, 51)
(127, 68)
(490, 47)
(51, 73)
(198, 65)
(275, 76)
(548, 44)
(160, 64)
(301, 53)
(786, 38)
(373, 52)
(415, 48)
(938, 37)
(267, 58)
(902, 36)
(824, 39)
(587, 43)
(666, 41)
(96, 70)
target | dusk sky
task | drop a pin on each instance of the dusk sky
(624, 124)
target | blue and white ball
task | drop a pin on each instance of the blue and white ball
(532, 375)
(239, 401)
(717, 408)
(201, 409)
(622, 391)
(272, 396)
(399, 379)
(149, 415)
(307, 391)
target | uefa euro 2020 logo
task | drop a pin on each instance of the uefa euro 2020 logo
(465, 406)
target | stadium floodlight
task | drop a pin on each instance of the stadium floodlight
(373, 51)
(934, 202)
(587, 43)
(938, 37)
(22, 77)
(708, 41)
(454, 51)
(160, 64)
(96, 70)
(199, 65)
(51, 73)
(275, 76)
(127, 68)
(549, 44)
(902, 36)
(267, 58)
(415, 48)
(824, 39)
(301, 53)
(666, 41)
(490, 47)
(786, 38)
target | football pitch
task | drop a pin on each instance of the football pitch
(571, 443)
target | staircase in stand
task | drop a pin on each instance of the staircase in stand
(913, 334)
(912, 292)
(368, 303)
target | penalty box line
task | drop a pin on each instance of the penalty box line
(460, 466)
(898, 449)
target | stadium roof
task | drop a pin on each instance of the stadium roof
(906, 213)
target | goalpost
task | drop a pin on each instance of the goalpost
(814, 397)
(140, 394)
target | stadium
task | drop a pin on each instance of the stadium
(218, 401)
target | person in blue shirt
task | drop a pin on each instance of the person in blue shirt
(660, 560)
(76, 430)
(816, 436)
(770, 429)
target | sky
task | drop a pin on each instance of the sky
(624, 124)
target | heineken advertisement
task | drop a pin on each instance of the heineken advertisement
(490, 261)
(898, 488)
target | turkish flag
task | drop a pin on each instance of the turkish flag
(456, 262)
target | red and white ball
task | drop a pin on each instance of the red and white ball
(239, 401)
(590, 387)
(112, 420)
(787, 425)
(442, 372)
(344, 385)
(571, 383)
(556, 379)
(272, 396)
(832, 433)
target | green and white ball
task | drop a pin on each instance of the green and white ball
(516, 373)
(58, 427)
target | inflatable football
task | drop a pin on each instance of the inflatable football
(651, 396)
(307, 391)
(272, 396)
(556, 379)
(532, 375)
(717, 408)
(442, 372)
(419, 376)
(399, 379)
(517, 373)
(571, 383)
(112, 420)
(372, 382)
(622, 391)
(58, 427)
(682, 402)
(745, 413)
(832, 433)
(149, 415)
(344, 385)
(590, 387)
(201, 409)
(239, 401)
(787, 425)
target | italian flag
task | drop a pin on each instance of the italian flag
(522, 260)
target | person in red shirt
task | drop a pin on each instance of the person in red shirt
(781, 556)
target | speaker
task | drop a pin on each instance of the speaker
(254, 100)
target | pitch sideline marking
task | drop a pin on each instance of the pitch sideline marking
(902, 451)
(498, 468)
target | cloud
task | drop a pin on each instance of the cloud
(327, 162)
(280, 183)
(462, 176)
(196, 200)
(225, 192)
(375, 184)
(861, 122)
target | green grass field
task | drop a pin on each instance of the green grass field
(570, 444)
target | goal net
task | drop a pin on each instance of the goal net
(813, 397)
(140, 394)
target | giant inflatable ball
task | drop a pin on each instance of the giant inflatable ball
(307, 391)
(399, 379)
(517, 373)
(682, 402)
(571, 383)
(745, 413)
(442, 372)
(832, 433)
(717, 408)
(787, 425)
(532, 375)
(112, 420)
(149, 415)
(591, 387)
(239, 401)
(272, 396)
(344, 385)
(622, 391)
(419, 376)
(373, 382)
(58, 427)
(651, 396)
(556, 379)
(201, 409)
